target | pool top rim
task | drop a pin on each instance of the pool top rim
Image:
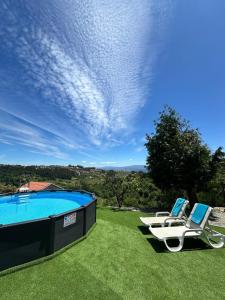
(50, 191)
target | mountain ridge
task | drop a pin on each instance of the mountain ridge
(136, 168)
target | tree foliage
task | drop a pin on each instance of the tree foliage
(177, 157)
(215, 193)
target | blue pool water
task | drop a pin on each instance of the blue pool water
(25, 207)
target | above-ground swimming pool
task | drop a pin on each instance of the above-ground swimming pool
(37, 224)
(30, 206)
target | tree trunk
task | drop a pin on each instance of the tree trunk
(192, 197)
(119, 200)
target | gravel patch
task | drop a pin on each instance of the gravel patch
(219, 214)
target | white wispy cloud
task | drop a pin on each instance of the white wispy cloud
(94, 61)
(140, 149)
(14, 130)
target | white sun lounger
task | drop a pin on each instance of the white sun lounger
(177, 213)
(196, 226)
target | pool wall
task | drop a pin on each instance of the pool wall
(26, 241)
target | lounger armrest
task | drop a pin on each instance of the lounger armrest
(162, 213)
(197, 230)
(174, 220)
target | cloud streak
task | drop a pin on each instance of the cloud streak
(14, 130)
(91, 60)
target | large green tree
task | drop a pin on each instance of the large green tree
(177, 157)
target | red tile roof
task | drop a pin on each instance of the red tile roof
(36, 186)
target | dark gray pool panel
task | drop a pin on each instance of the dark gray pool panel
(90, 218)
(23, 242)
(65, 233)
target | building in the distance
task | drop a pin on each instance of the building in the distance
(38, 186)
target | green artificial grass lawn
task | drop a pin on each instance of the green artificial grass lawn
(121, 260)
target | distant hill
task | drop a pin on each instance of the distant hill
(136, 168)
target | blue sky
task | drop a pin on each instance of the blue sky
(82, 81)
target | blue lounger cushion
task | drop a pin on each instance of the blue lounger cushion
(177, 207)
(199, 213)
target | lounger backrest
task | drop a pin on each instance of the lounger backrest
(199, 216)
(179, 207)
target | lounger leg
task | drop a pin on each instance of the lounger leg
(214, 234)
(175, 249)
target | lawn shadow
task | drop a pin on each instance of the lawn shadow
(144, 229)
(116, 209)
(189, 245)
